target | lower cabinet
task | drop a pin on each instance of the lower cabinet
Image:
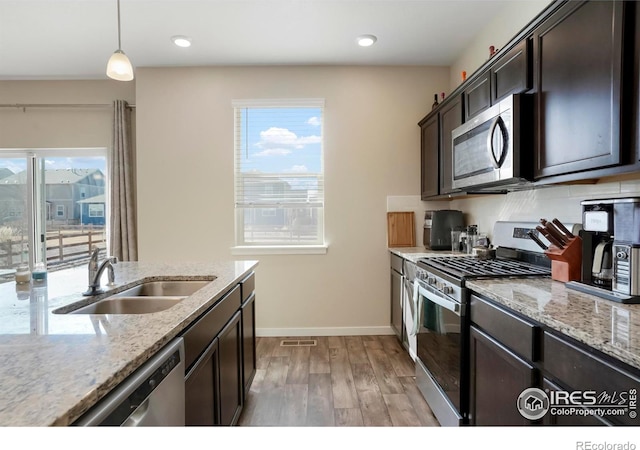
(498, 377)
(230, 370)
(202, 389)
(220, 359)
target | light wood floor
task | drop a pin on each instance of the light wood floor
(343, 381)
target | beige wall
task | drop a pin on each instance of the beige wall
(59, 127)
(372, 141)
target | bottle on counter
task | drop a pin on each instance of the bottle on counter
(435, 101)
(39, 274)
(23, 273)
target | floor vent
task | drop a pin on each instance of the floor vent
(298, 343)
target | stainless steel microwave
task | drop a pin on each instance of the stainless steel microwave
(494, 149)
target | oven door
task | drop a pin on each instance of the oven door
(439, 328)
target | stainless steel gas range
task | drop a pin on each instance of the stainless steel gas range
(442, 324)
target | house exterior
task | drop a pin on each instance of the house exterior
(64, 189)
(93, 210)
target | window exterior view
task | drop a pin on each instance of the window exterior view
(279, 174)
(52, 208)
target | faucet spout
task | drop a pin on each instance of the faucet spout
(96, 270)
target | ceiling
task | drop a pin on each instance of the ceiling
(73, 39)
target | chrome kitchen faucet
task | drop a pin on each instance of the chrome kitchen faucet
(95, 272)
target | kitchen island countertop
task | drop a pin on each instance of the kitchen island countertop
(54, 367)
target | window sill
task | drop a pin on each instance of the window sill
(280, 250)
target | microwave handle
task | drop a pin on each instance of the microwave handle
(497, 123)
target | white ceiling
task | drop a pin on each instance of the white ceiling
(56, 39)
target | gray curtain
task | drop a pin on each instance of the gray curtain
(124, 240)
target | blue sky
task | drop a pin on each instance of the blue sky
(282, 140)
(89, 162)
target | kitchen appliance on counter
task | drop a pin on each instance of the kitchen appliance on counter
(490, 150)
(437, 228)
(442, 314)
(610, 249)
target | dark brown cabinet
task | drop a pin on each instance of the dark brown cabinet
(202, 389)
(220, 358)
(477, 96)
(230, 371)
(450, 119)
(429, 156)
(503, 352)
(498, 377)
(578, 59)
(512, 72)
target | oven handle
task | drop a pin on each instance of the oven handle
(419, 293)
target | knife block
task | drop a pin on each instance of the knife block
(566, 262)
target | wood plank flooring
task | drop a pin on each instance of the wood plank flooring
(342, 381)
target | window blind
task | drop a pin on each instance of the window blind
(279, 172)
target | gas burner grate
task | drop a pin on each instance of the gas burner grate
(472, 267)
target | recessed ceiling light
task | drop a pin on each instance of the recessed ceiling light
(181, 41)
(367, 40)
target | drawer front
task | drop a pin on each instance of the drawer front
(248, 286)
(396, 263)
(207, 327)
(578, 370)
(513, 332)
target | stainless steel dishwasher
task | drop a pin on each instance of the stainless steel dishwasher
(152, 396)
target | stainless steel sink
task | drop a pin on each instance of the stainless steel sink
(129, 305)
(145, 298)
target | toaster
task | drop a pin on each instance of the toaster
(437, 228)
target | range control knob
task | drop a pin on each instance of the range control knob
(621, 254)
(447, 290)
(431, 280)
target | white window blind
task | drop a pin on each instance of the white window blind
(279, 172)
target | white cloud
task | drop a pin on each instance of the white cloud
(298, 169)
(315, 121)
(281, 141)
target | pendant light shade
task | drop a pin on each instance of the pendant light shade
(119, 67)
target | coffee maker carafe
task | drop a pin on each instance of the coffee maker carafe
(610, 249)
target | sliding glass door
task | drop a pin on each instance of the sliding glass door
(53, 207)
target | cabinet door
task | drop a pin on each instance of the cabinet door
(568, 420)
(477, 96)
(511, 74)
(230, 363)
(201, 389)
(429, 149)
(396, 302)
(450, 119)
(248, 342)
(498, 377)
(578, 59)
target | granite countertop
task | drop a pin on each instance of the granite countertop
(54, 367)
(608, 326)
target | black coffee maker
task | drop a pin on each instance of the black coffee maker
(610, 248)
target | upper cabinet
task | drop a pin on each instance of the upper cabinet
(509, 74)
(578, 60)
(429, 156)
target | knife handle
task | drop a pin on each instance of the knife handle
(537, 240)
(549, 237)
(562, 228)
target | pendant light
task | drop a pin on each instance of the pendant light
(119, 67)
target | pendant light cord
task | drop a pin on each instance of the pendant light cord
(119, 45)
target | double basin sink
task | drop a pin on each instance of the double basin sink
(147, 297)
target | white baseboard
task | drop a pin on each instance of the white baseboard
(309, 332)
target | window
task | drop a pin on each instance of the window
(43, 215)
(279, 173)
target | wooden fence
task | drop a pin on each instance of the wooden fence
(64, 246)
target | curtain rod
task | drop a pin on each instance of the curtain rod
(61, 105)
